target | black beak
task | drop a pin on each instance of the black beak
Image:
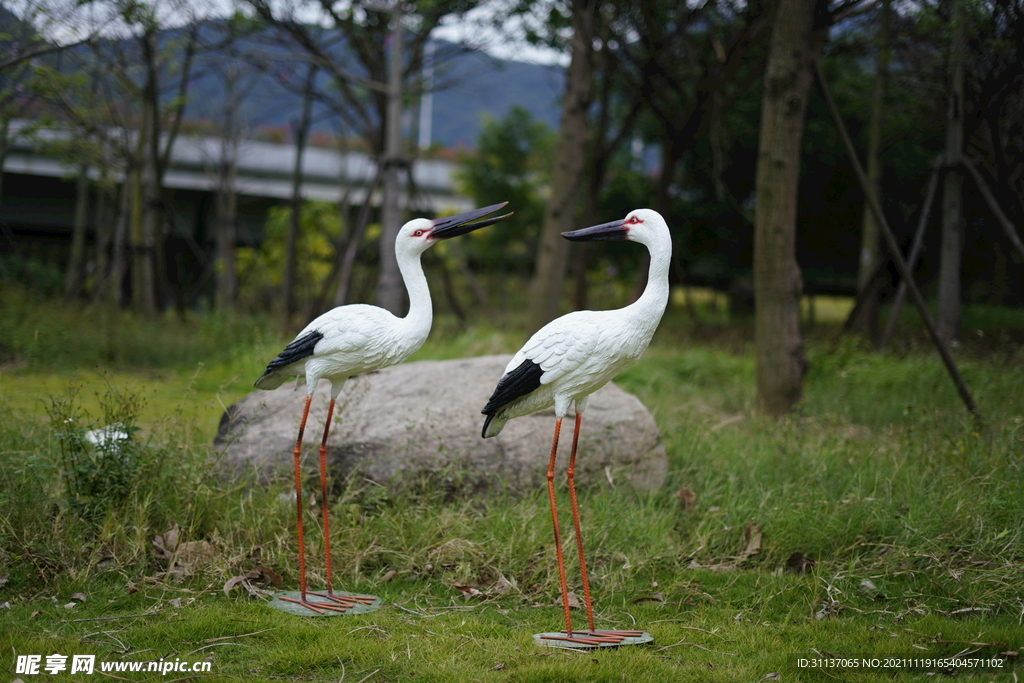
(460, 224)
(606, 232)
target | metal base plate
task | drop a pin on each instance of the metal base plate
(318, 600)
(592, 639)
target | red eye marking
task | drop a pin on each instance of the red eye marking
(418, 233)
(633, 220)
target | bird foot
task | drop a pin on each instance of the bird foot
(317, 607)
(593, 637)
(346, 600)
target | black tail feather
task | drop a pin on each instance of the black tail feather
(519, 382)
(300, 349)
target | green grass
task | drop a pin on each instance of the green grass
(911, 517)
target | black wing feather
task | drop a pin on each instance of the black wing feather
(520, 382)
(299, 349)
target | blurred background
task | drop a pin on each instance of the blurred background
(162, 156)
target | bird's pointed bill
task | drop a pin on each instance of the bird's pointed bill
(460, 224)
(616, 230)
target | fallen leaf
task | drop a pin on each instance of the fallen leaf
(752, 535)
(231, 583)
(574, 602)
(468, 591)
(500, 587)
(175, 603)
(388, 575)
(498, 666)
(171, 538)
(4, 578)
(5, 605)
(773, 676)
(80, 597)
(829, 608)
(35, 614)
(868, 585)
(273, 577)
(798, 563)
(70, 605)
(656, 597)
(166, 542)
(687, 498)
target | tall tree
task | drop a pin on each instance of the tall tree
(301, 135)
(948, 314)
(352, 46)
(568, 168)
(779, 349)
(871, 242)
(231, 128)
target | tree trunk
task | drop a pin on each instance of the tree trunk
(125, 217)
(136, 242)
(227, 203)
(948, 317)
(871, 242)
(227, 193)
(390, 289)
(5, 126)
(777, 282)
(145, 280)
(76, 262)
(295, 220)
(104, 216)
(552, 249)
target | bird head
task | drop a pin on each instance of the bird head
(640, 225)
(422, 233)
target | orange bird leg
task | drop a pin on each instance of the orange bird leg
(298, 499)
(316, 607)
(349, 601)
(576, 521)
(323, 494)
(558, 535)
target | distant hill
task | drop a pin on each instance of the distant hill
(492, 87)
(472, 85)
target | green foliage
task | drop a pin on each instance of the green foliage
(48, 334)
(261, 269)
(512, 162)
(102, 466)
(29, 277)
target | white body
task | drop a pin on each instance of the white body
(359, 337)
(582, 351)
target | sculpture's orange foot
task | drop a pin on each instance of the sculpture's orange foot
(347, 600)
(588, 639)
(317, 607)
(326, 604)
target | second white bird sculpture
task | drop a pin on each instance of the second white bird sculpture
(570, 358)
(357, 338)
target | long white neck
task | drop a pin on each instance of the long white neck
(648, 309)
(417, 321)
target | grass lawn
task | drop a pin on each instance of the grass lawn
(877, 522)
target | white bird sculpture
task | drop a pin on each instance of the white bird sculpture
(573, 356)
(349, 340)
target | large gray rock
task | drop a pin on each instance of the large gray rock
(422, 420)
